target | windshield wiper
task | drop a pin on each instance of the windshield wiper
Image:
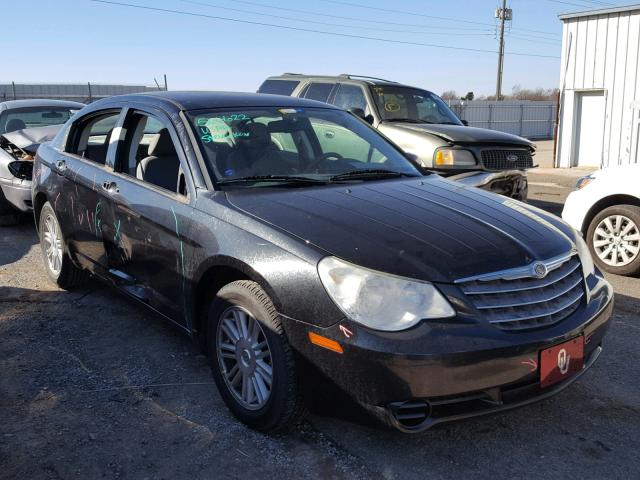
(405, 120)
(369, 173)
(290, 179)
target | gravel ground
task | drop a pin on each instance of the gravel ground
(93, 386)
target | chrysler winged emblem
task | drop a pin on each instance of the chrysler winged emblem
(539, 270)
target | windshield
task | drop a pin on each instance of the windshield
(317, 144)
(396, 103)
(21, 118)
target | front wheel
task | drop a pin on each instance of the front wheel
(59, 266)
(614, 239)
(251, 360)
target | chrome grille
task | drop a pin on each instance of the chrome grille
(502, 159)
(527, 302)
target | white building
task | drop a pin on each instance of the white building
(600, 88)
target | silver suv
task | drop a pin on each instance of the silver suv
(422, 124)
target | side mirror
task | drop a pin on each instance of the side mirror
(411, 156)
(359, 112)
(465, 123)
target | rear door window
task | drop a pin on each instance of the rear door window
(278, 87)
(318, 91)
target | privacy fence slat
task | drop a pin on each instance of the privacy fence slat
(85, 93)
(530, 119)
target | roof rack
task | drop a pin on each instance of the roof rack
(349, 75)
(342, 75)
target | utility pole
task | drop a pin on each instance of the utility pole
(503, 14)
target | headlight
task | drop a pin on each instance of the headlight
(379, 300)
(21, 170)
(588, 268)
(453, 157)
(584, 181)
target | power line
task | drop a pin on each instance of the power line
(299, 29)
(578, 4)
(533, 38)
(405, 12)
(487, 33)
(343, 17)
(254, 12)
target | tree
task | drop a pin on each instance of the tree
(469, 96)
(449, 95)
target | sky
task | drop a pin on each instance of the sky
(79, 41)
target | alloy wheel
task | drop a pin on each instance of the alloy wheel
(616, 240)
(52, 244)
(244, 358)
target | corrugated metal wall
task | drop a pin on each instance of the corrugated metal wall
(600, 53)
(530, 119)
(84, 93)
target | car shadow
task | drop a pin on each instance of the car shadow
(17, 240)
(551, 207)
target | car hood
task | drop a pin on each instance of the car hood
(431, 229)
(462, 134)
(29, 139)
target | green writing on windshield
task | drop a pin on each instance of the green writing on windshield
(210, 137)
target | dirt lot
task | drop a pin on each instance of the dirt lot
(92, 386)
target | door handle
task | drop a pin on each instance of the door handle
(110, 187)
(61, 165)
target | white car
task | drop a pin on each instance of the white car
(605, 207)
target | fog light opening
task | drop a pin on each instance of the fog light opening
(410, 414)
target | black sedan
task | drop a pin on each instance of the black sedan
(296, 244)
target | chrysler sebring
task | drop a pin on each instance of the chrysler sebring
(296, 245)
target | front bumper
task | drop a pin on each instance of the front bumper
(575, 209)
(512, 183)
(442, 371)
(17, 193)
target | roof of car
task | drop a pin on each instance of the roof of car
(204, 100)
(38, 102)
(364, 79)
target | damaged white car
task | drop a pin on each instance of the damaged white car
(24, 125)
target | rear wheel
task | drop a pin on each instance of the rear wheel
(59, 266)
(614, 239)
(251, 360)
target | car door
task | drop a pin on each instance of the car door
(151, 213)
(84, 175)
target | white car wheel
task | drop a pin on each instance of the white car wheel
(614, 239)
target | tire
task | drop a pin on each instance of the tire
(615, 253)
(281, 406)
(59, 266)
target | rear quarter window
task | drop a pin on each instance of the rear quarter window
(279, 87)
